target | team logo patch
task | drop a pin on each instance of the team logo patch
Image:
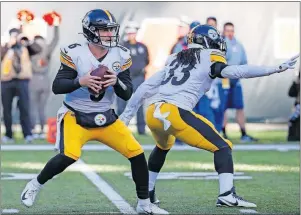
(100, 119)
(212, 34)
(141, 50)
(116, 66)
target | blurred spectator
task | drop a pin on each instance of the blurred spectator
(235, 55)
(294, 121)
(183, 30)
(40, 83)
(16, 71)
(140, 58)
(211, 20)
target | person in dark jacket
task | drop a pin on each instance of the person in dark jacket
(40, 83)
(294, 121)
(16, 72)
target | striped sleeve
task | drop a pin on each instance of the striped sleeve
(217, 57)
(127, 64)
(67, 60)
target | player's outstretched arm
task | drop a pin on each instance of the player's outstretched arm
(147, 89)
(248, 71)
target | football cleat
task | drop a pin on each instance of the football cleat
(30, 192)
(156, 210)
(230, 199)
(143, 206)
(153, 197)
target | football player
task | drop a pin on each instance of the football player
(175, 90)
(84, 116)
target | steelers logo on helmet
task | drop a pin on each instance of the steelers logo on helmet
(100, 119)
(212, 34)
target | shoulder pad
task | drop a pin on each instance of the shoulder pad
(217, 56)
(71, 49)
(68, 54)
(124, 52)
(123, 48)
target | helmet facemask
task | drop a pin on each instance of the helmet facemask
(105, 40)
(102, 39)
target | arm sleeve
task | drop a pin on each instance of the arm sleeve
(247, 71)
(220, 69)
(65, 81)
(147, 89)
(123, 87)
(54, 41)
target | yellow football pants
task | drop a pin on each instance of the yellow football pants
(186, 126)
(117, 136)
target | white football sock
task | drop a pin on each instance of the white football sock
(152, 180)
(225, 182)
(36, 183)
(143, 201)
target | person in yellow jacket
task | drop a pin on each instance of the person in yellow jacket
(16, 73)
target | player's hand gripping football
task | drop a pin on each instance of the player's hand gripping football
(90, 81)
(111, 79)
(290, 64)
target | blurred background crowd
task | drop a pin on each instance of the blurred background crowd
(31, 38)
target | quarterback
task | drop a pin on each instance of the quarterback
(85, 116)
(176, 89)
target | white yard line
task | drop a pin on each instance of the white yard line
(101, 147)
(248, 211)
(104, 187)
(10, 211)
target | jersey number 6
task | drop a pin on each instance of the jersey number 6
(171, 76)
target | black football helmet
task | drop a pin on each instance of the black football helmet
(206, 37)
(99, 19)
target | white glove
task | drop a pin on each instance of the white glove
(125, 120)
(290, 64)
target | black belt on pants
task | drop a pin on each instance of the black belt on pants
(94, 119)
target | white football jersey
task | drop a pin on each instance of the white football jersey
(183, 86)
(80, 58)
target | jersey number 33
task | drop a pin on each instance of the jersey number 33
(174, 65)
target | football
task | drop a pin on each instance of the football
(100, 72)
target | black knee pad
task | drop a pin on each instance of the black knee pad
(223, 161)
(157, 159)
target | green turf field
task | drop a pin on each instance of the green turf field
(266, 137)
(274, 186)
